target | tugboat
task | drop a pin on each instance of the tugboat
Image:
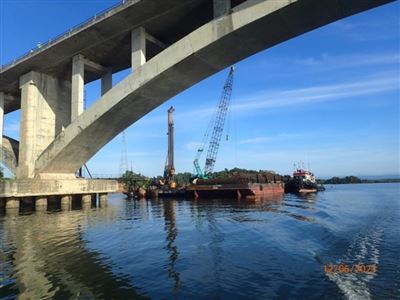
(303, 181)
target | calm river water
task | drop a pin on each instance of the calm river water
(208, 249)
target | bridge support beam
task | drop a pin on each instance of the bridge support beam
(78, 85)
(45, 111)
(138, 47)
(221, 7)
(106, 82)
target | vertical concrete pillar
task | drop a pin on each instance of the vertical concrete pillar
(41, 203)
(103, 200)
(29, 106)
(1, 118)
(86, 201)
(45, 110)
(106, 82)
(138, 47)
(78, 85)
(66, 202)
(12, 203)
(221, 7)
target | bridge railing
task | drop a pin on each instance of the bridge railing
(72, 30)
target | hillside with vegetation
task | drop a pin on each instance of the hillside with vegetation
(354, 179)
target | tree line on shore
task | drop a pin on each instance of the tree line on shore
(185, 177)
(354, 179)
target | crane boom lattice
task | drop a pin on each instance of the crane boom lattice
(218, 128)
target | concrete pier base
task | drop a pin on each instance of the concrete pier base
(86, 201)
(57, 187)
(41, 203)
(66, 202)
(12, 203)
(103, 200)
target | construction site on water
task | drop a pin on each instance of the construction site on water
(238, 185)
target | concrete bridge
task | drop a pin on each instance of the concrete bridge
(169, 46)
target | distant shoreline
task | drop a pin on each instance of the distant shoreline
(354, 179)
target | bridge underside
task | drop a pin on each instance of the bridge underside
(163, 66)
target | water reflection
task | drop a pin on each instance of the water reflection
(50, 258)
(172, 233)
(169, 248)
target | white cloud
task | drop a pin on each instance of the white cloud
(277, 137)
(328, 62)
(256, 140)
(311, 95)
(375, 29)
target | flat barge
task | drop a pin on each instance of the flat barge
(239, 187)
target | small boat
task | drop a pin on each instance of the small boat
(303, 181)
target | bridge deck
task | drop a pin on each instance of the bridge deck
(105, 39)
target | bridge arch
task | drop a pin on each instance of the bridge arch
(254, 26)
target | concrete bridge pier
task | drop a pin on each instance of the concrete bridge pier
(12, 203)
(86, 201)
(103, 200)
(66, 202)
(41, 203)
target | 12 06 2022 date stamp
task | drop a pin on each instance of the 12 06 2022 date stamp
(351, 268)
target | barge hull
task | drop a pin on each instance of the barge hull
(239, 191)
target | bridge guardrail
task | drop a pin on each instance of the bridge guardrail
(66, 33)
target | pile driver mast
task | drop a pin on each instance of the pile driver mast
(218, 128)
(169, 170)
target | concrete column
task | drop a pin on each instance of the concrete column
(78, 85)
(86, 201)
(66, 202)
(1, 118)
(138, 47)
(106, 82)
(45, 110)
(12, 203)
(103, 200)
(29, 106)
(41, 203)
(221, 7)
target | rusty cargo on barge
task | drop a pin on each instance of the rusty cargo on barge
(240, 186)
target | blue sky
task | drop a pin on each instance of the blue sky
(329, 97)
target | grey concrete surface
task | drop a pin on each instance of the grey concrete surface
(12, 203)
(37, 187)
(77, 86)
(46, 110)
(40, 201)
